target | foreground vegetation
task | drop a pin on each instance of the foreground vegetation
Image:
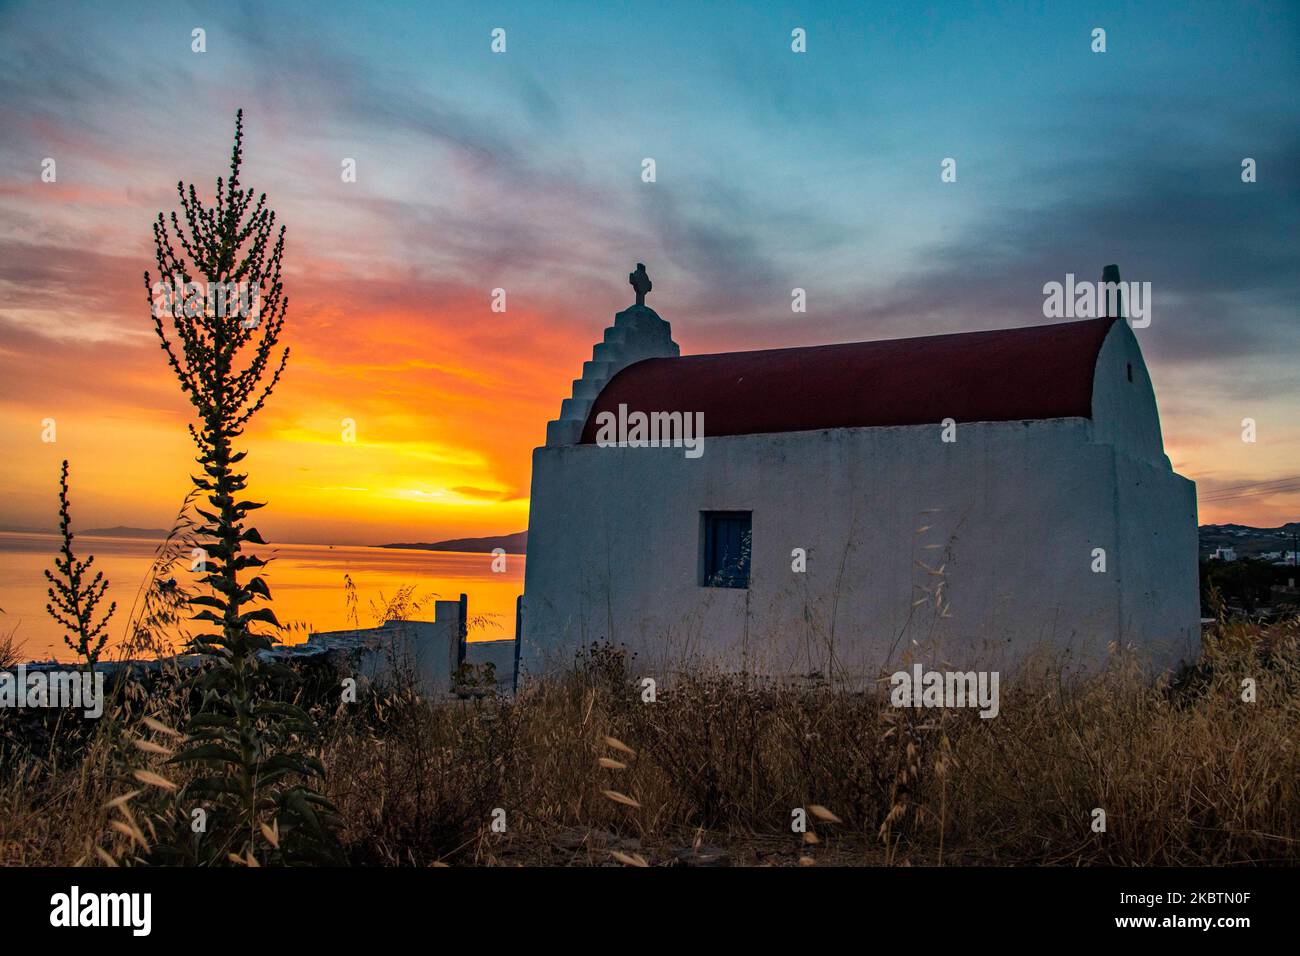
(580, 771)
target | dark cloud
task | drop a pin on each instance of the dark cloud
(1161, 196)
(1223, 257)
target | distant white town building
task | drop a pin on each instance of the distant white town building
(1224, 554)
(969, 498)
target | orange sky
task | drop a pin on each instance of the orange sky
(524, 173)
(448, 397)
(445, 419)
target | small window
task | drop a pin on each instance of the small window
(724, 549)
(1129, 366)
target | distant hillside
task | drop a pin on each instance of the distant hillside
(1249, 541)
(516, 543)
(122, 531)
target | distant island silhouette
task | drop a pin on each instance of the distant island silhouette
(122, 531)
(516, 543)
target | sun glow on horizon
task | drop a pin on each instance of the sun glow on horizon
(521, 173)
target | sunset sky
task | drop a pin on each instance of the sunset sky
(522, 171)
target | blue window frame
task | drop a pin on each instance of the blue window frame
(724, 548)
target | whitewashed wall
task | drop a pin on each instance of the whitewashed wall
(423, 650)
(500, 654)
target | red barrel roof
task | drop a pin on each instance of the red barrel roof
(1043, 371)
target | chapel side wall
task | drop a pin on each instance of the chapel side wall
(1160, 611)
(1157, 559)
(1011, 511)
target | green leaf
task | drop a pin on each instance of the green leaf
(257, 586)
(207, 752)
(213, 785)
(263, 614)
(295, 802)
(280, 671)
(211, 720)
(259, 642)
(279, 709)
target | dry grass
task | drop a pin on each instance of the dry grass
(9, 656)
(588, 774)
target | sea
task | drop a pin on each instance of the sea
(308, 584)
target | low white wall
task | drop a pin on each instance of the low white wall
(423, 650)
(500, 654)
(1158, 559)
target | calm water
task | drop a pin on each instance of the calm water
(306, 584)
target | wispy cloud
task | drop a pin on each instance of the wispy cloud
(522, 172)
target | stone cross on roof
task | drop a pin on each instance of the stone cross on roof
(640, 282)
